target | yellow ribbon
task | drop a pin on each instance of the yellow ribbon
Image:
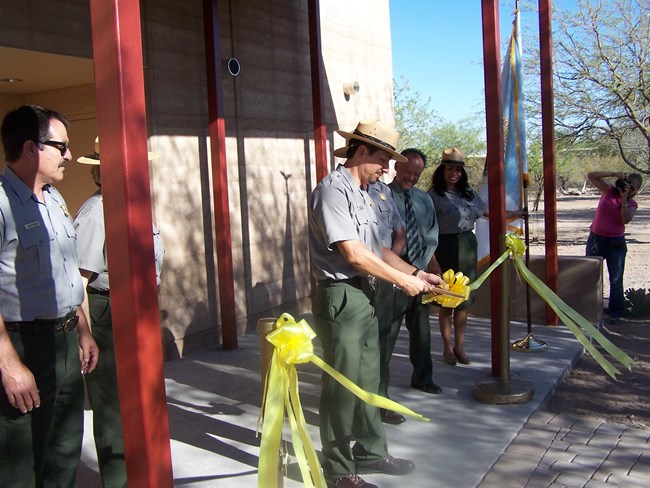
(576, 323)
(293, 345)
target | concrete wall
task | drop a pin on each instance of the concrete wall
(270, 147)
(573, 273)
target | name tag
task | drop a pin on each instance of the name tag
(31, 225)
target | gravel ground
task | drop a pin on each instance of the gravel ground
(588, 391)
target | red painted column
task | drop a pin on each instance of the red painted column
(320, 130)
(548, 151)
(494, 160)
(121, 115)
(217, 130)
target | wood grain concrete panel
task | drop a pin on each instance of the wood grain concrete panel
(47, 26)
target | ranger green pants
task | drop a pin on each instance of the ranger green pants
(346, 324)
(41, 449)
(101, 387)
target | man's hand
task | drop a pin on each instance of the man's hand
(431, 279)
(421, 283)
(17, 380)
(19, 383)
(88, 350)
(412, 285)
(20, 387)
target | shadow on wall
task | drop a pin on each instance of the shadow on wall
(261, 104)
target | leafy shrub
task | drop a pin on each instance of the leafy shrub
(637, 302)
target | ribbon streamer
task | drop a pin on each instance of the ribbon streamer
(575, 322)
(293, 345)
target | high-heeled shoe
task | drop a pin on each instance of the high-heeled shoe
(449, 359)
(462, 358)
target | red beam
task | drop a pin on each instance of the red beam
(121, 116)
(494, 161)
(217, 130)
(320, 130)
(548, 150)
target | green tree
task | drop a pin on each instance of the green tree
(602, 78)
(421, 126)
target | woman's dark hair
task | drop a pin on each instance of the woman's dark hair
(27, 123)
(439, 185)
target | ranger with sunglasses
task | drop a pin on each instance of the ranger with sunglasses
(45, 342)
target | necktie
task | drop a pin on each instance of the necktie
(412, 237)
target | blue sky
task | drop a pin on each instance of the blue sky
(438, 47)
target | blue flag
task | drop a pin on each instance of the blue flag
(514, 130)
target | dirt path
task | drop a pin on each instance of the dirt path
(589, 392)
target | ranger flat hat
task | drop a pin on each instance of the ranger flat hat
(376, 133)
(453, 157)
(94, 157)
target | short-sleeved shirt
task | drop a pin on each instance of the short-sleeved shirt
(425, 218)
(91, 243)
(39, 272)
(456, 213)
(339, 211)
(608, 221)
(387, 213)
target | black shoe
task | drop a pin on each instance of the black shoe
(388, 465)
(428, 388)
(390, 417)
(350, 481)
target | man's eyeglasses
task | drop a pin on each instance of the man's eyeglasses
(61, 146)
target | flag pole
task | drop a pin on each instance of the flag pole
(516, 161)
(528, 343)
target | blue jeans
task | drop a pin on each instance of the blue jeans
(613, 250)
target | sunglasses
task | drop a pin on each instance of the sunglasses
(61, 146)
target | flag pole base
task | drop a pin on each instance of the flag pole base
(529, 344)
(494, 391)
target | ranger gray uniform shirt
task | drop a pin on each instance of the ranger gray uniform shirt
(39, 272)
(339, 211)
(387, 213)
(455, 213)
(91, 242)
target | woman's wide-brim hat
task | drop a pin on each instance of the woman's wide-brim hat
(453, 157)
(94, 157)
(376, 133)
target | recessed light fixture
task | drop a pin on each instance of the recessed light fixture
(11, 80)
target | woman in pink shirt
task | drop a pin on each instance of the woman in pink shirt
(607, 237)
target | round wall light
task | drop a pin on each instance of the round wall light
(234, 68)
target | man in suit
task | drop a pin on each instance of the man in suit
(417, 211)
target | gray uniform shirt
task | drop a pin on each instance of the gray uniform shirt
(455, 213)
(39, 273)
(425, 217)
(387, 213)
(339, 211)
(91, 242)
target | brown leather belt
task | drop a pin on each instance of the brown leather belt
(45, 326)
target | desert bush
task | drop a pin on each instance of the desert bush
(637, 302)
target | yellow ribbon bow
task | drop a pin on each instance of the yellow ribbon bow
(456, 282)
(292, 341)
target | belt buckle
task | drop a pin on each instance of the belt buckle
(372, 281)
(70, 324)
